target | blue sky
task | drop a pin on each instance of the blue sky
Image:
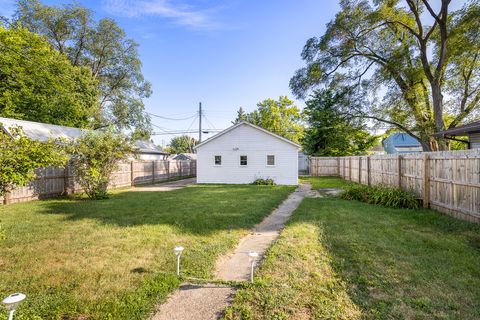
(225, 54)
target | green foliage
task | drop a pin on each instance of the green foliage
(241, 116)
(103, 48)
(329, 131)
(264, 182)
(182, 144)
(95, 156)
(280, 116)
(20, 156)
(38, 83)
(381, 195)
(399, 64)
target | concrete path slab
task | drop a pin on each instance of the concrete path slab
(196, 302)
(166, 186)
(237, 265)
(207, 302)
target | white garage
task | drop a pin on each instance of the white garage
(245, 152)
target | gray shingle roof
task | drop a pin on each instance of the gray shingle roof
(44, 131)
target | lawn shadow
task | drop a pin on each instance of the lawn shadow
(199, 209)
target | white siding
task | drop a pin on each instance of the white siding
(256, 145)
(474, 140)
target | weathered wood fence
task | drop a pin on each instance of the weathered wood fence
(446, 181)
(53, 182)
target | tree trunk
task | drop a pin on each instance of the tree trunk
(437, 100)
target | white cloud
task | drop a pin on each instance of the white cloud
(179, 13)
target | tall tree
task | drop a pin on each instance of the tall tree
(38, 83)
(182, 144)
(103, 47)
(241, 116)
(329, 131)
(278, 116)
(407, 52)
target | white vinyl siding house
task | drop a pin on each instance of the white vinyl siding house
(245, 152)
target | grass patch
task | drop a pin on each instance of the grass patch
(326, 182)
(113, 259)
(340, 259)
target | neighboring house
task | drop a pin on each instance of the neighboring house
(44, 131)
(470, 130)
(245, 152)
(147, 150)
(377, 150)
(185, 156)
(399, 143)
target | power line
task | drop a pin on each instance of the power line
(172, 119)
(185, 131)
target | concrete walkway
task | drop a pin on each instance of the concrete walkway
(237, 265)
(206, 302)
(166, 186)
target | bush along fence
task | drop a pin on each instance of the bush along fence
(446, 181)
(53, 182)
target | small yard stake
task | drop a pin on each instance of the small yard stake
(252, 257)
(178, 252)
(12, 301)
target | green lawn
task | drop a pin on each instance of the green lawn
(113, 259)
(340, 259)
(325, 182)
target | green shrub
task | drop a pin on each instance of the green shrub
(264, 182)
(381, 195)
(95, 155)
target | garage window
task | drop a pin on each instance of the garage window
(270, 160)
(218, 160)
(243, 160)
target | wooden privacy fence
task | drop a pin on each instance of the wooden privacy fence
(446, 181)
(53, 182)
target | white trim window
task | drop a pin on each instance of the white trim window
(217, 160)
(270, 160)
(243, 160)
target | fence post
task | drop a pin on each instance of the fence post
(338, 166)
(153, 171)
(360, 170)
(369, 183)
(132, 182)
(399, 171)
(167, 166)
(350, 168)
(426, 181)
(66, 180)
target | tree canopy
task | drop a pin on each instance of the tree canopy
(329, 131)
(182, 144)
(413, 64)
(102, 47)
(280, 116)
(38, 83)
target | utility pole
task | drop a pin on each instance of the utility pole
(199, 122)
